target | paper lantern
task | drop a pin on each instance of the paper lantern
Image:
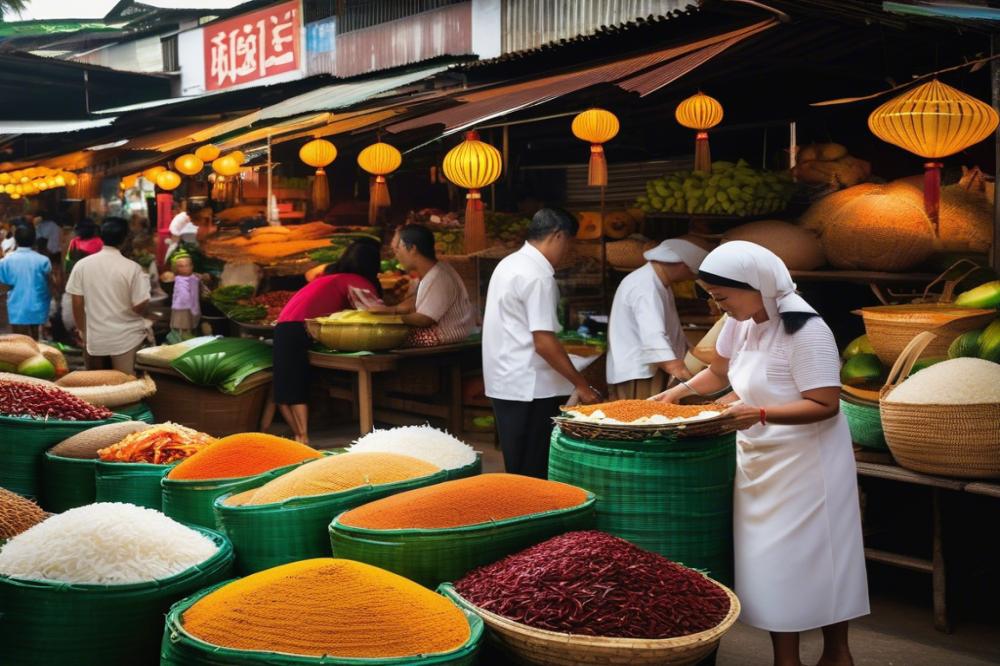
(700, 112)
(72, 181)
(473, 165)
(151, 173)
(318, 153)
(60, 180)
(207, 153)
(597, 127)
(189, 164)
(239, 156)
(128, 182)
(933, 121)
(167, 180)
(226, 166)
(379, 159)
(4, 178)
(41, 185)
(15, 195)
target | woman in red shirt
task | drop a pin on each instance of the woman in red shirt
(329, 293)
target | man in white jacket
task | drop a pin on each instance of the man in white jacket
(646, 342)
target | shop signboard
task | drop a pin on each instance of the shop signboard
(253, 46)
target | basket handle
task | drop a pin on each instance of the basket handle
(949, 285)
(901, 368)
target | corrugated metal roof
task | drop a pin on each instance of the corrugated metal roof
(300, 123)
(158, 103)
(348, 122)
(51, 126)
(154, 140)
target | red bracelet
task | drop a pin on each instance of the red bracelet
(763, 416)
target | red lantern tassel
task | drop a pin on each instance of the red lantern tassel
(932, 192)
(597, 173)
(702, 155)
(378, 197)
(320, 192)
(475, 222)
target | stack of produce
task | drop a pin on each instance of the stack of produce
(862, 366)
(242, 455)
(614, 224)
(829, 164)
(507, 229)
(730, 189)
(594, 584)
(160, 444)
(424, 442)
(20, 354)
(340, 242)
(272, 243)
(798, 248)
(33, 401)
(336, 474)
(107, 388)
(986, 295)
(642, 412)
(323, 608)
(273, 303)
(17, 514)
(984, 344)
(228, 297)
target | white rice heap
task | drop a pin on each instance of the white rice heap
(959, 381)
(108, 543)
(424, 442)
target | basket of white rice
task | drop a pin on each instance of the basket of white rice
(426, 443)
(91, 585)
(944, 419)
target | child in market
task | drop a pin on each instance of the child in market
(185, 307)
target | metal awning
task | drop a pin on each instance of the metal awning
(167, 137)
(51, 126)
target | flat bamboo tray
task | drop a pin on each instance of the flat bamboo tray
(713, 427)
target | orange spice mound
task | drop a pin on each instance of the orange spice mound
(630, 410)
(471, 501)
(243, 454)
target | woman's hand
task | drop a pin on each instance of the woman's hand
(745, 416)
(669, 396)
(382, 309)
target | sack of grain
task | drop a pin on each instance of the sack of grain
(15, 352)
(798, 248)
(880, 232)
(627, 254)
(80, 378)
(17, 514)
(115, 395)
(25, 379)
(86, 444)
(819, 215)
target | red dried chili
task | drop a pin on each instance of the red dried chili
(45, 402)
(595, 584)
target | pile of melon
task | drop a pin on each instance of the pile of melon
(22, 355)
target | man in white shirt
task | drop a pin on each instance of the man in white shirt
(646, 344)
(527, 372)
(110, 294)
(440, 311)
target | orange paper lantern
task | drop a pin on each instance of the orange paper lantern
(207, 153)
(189, 164)
(226, 166)
(379, 159)
(167, 180)
(318, 153)
(700, 112)
(239, 156)
(151, 173)
(597, 127)
(473, 165)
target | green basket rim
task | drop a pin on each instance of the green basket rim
(140, 466)
(54, 456)
(114, 418)
(312, 500)
(349, 530)
(223, 551)
(174, 625)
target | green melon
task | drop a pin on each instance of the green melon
(965, 345)
(984, 296)
(924, 363)
(859, 345)
(38, 367)
(862, 369)
(989, 342)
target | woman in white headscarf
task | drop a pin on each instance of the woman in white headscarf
(796, 518)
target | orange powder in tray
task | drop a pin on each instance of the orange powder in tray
(630, 410)
(243, 454)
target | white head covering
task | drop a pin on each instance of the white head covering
(677, 251)
(760, 268)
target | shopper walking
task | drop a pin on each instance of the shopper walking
(29, 274)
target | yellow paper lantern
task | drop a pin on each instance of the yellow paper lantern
(596, 126)
(41, 185)
(700, 112)
(239, 156)
(8, 188)
(24, 179)
(207, 153)
(60, 180)
(128, 182)
(151, 173)
(226, 166)
(318, 153)
(379, 159)
(4, 178)
(933, 121)
(167, 180)
(473, 165)
(15, 195)
(71, 181)
(188, 164)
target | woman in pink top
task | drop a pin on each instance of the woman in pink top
(329, 293)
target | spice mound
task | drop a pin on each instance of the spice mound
(160, 444)
(425, 442)
(595, 584)
(86, 444)
(643, 412)
(336, 474)
(471, 501)
(330, 607)
(108, 543)
(242, 454)
(46, 402)
(17, 514)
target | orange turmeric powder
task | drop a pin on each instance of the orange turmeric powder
(471, 501)
(327, 606)
(243, 454)
(630, 410)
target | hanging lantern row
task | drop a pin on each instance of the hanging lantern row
(319, 153)
(34, 180)
(700, 112)
(596, 126)
(473, 165)
(379, 159)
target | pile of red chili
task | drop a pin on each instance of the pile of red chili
(595, 584)
(45, 402)
(274, 301)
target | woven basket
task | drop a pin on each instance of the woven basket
(207, 409)
(134, 483)
(951, 440)
(865, 421)
(538, 646)
(358, 337)
(626, 254)
(713, 427)
(891, 327)
(67, 482)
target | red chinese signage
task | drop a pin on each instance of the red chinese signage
(253, 46)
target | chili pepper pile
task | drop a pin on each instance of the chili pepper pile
(44, 402)
(594, 584)
(274, 301)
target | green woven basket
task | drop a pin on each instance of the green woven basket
(672, 497)
(180, 648)
(266, 535)
(434, 556)
(137, 411)
(472, 469)
(67, 482)
(133, 483)
(865, 422)
(22, 443)
(45, 623)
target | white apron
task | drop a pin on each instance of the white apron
(799, 556)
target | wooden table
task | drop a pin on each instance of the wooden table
(366, 366)
(936, 565)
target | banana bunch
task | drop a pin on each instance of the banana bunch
(730, 189)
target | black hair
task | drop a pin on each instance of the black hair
(420, 237)
(114, 231)
(360, 258)
(548, 221)
(24, 235)
(792, 321)
(86, 229)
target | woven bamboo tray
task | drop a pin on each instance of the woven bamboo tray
(713, 427)
(950, 440)
(538, 646)
(891, 327)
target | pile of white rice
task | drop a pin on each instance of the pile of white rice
(109, 543)
(959, 381)
(424, 442)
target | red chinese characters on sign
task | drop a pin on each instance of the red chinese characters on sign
(253, 46)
